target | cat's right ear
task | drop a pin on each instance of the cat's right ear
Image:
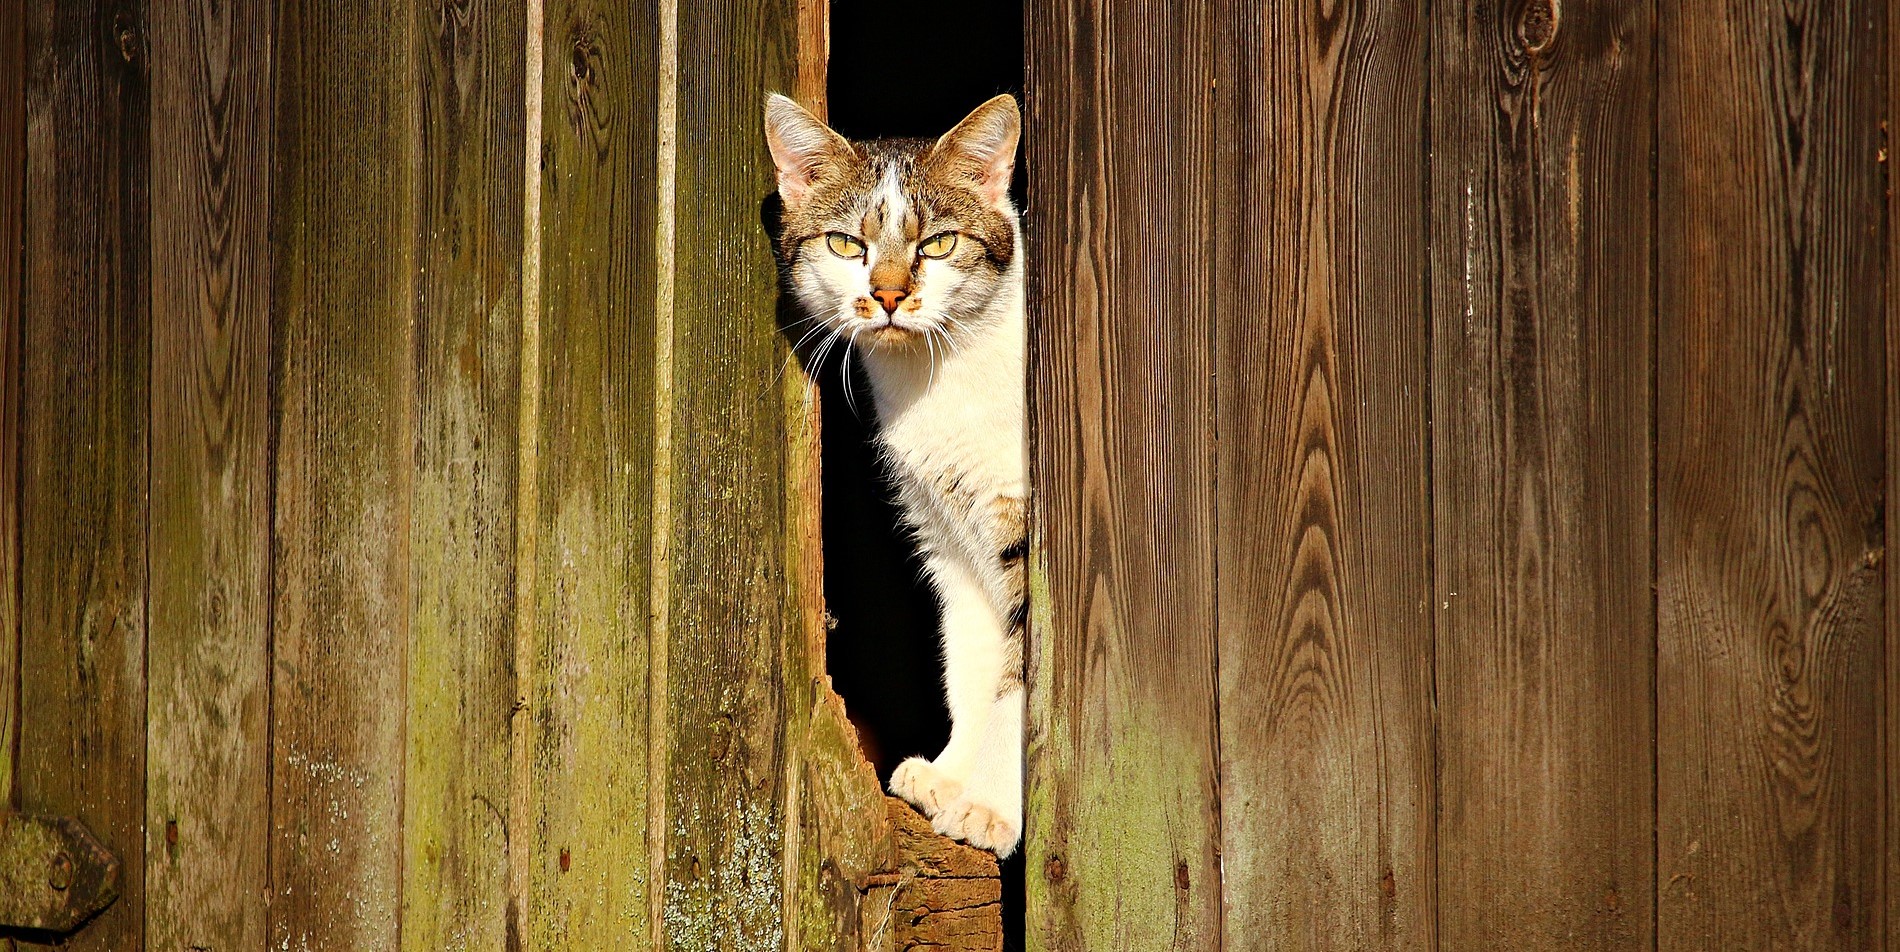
(801, 147)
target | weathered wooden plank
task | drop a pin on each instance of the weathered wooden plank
(937, 893)
(12, 291)
(83, 459)
(729, 587)
(344, 212)
(1890, 910)
(590, 832)
(1123, 835)
(207, 807)
(1323, 521)
(1769, 464)
(1541, 221)
(836, 830)
(457, 808)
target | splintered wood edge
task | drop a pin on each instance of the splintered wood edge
(927, 854)
(936, 893)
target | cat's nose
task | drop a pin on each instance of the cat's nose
(889, 297)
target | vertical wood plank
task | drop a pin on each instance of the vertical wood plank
(1769, 464)
(837, 834)
(344, 290)
(1123, 801)
(1541, 218)
(732, 595)
(588, 669)
(12, 297)
(207, 809)
(1890, 723)
(1323, 525)
(83, 457)
(457, 809)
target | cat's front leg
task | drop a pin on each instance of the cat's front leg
(973, 789)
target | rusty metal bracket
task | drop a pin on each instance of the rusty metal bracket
(54, 874)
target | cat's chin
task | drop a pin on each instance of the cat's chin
(891, 335)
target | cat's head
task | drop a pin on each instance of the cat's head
(888, 241)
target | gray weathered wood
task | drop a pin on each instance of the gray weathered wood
(1541, 311)
(1123, 810)
(343, 232)
(1323, 525)
(207, 809)
(1769, 463)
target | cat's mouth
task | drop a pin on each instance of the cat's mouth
(887, 331)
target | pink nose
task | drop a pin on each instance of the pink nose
(889, 297)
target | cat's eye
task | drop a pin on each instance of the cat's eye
(939, 246)
(844, 246)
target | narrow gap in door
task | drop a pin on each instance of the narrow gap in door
(910, 70)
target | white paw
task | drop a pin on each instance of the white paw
(919, 781)
(979, 825)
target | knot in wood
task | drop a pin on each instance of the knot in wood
(127, 31)
(1538, 25)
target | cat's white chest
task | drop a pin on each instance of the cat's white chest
(965, 422)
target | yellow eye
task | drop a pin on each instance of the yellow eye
(939, 246)
(843, 245)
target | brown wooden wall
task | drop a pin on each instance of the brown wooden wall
(410, 535)
(1463, 432)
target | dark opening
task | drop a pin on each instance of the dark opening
(899, 70)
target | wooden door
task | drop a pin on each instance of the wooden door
(1463, 439)
(411, 539)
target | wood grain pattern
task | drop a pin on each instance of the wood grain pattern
(731, 609)
(344, 227)
(1890, 924)
(12, 316)
(589, 672)
(1769, 464)
(1123, 810)
(1322, 513)
(457, 810)
(12, 297)
(207, 807)
(83, 458)
(939, 894)
(1541, 219)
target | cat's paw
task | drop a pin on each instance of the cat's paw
(919, 781)
(980, 825)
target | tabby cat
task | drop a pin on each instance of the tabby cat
(909, 252)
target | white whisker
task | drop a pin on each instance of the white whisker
(844, 370)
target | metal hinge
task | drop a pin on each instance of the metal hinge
(54, 874)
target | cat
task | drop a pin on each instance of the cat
(910, 252)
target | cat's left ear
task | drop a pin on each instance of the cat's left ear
(983, 146)
(801, 146)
